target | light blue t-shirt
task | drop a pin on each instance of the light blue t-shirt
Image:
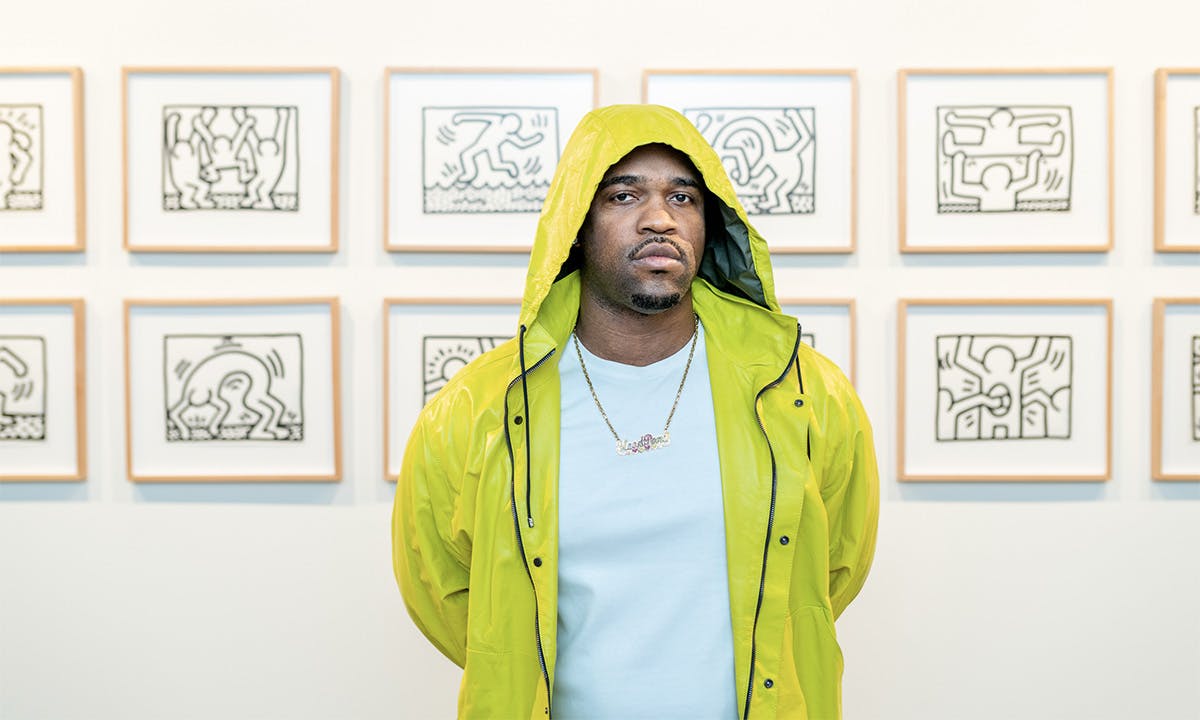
(644, 628)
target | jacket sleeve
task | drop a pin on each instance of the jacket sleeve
(850, 490)
(430, 568)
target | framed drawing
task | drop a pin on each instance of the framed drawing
(426, 341)
(1005, 390)
(789, 141)
(1006, 160)
(230, 159)
(42, 205)
(43, 415)
(469, 153)
(828, 327)
(1175, 381)
(230, 390)
(1177, 160)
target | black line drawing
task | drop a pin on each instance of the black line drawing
(1004, 158)
(1196, 160)
(487, 159)
(1004, 387)
(231, 157)
(769, 153)
(234, 387)
(444, 355)
(22, 387)
(21, 155)
(1196, 387)
(808, 339)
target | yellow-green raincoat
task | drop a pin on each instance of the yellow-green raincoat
(475, 525)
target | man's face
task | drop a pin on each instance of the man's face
(644, 234)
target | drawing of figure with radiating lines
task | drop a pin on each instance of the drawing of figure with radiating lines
(22, 387)
(233, 387)
(770, 154)
(442, 357)
(1003, 387)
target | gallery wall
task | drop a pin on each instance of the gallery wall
(987, 600)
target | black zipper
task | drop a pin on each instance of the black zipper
(762, 579)
(537, 625)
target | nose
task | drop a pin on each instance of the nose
(657, 217)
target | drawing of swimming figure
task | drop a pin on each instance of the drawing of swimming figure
(16, 158)
(760, 161)
(499, 129)
(189, 166)
(230, 378)
(997, 189)
(229, 159)
(1002, 133)
(1002, 394)
(268, 155)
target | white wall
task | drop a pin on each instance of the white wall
(987, 601)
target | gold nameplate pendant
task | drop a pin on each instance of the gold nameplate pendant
(644, 444)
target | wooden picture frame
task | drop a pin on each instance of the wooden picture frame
(418, 200)
(1004, 373)
(233, 370)
(819, 318)
(493, 320)
(814, 109)
(224, 187)
(1063, 200)
(40, 108)
(33, 368)
(1175, 424)
(1177, 181)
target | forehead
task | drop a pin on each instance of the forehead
(654, 161)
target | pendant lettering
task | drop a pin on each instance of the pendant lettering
(645, 443)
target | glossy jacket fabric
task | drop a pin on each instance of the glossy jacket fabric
(475, 520)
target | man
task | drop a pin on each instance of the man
(578, 555)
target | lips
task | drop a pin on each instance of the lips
(657, 248)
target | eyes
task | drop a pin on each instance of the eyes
(677, 197)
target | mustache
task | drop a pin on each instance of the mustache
(657, 239)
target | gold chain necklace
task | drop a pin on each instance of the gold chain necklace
(647, 442)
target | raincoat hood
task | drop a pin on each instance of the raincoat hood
(736, 259)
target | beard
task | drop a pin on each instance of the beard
(655, 303)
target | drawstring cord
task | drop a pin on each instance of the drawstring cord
(528, 454)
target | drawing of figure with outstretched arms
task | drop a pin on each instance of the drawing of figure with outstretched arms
(499, 129)
(226, 152)
(15, 160)
(1002, 133)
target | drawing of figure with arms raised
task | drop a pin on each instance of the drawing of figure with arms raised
(16, 158)
(749, 137)
(997, 189)
(267, 157)
(499, 129)
(189, 166)
(1003, 133)
(226, 153)
(997, 381)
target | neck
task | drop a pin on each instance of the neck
(633, 338)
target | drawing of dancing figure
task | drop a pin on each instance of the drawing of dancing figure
(267, 158)
(1004, 159)
(499, 129)
(230, 391)
(1003, 387)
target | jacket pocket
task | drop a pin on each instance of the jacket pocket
(811, 647)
